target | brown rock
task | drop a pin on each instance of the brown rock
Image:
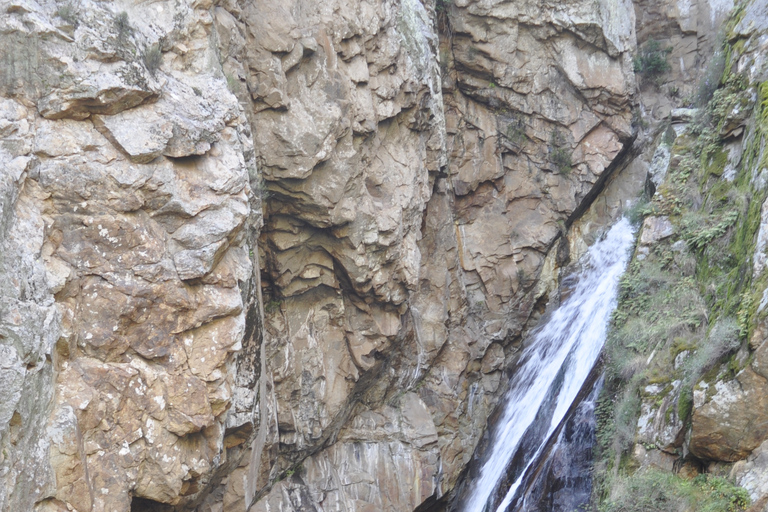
(734, 421)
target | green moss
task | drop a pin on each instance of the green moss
(680, 345)
(763, 117)
(737, 14)
(700, 298)
(717, 163)
(738, 49)
(685, 403)
(658, 376)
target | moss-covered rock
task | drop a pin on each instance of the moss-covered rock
(683, 380)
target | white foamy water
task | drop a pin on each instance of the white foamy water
(569, 342)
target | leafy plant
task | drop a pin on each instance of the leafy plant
(639, 210)
(699, 231)
(743, 314)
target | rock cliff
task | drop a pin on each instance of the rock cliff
(685, 359)
(282, 255)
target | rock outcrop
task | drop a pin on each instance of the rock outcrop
(409, 216)
(126, 216)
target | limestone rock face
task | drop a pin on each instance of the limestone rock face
(655, 229)
(29, 323)
(689, 30)
(125, 269)
(730, 419)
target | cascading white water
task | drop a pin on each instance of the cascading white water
(567, 344)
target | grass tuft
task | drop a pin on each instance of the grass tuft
(152, 58)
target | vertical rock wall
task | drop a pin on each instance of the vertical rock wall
(418, 162)
(406, 228)
(125, 263)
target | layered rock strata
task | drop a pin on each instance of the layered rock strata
(423, 183)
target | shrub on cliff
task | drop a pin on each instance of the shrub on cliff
(651, 60)
(152, 58)
(68, 12)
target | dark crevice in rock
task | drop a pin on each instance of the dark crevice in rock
(145, 505)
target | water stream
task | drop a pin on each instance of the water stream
(562, 480)
(558, 358)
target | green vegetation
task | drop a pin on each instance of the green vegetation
(657, 491)
(687, 302)
(233, 84)
(521, 276)
(515, 132)
(272, 305)
(152, 58)
(123, 25)
(699, 230)
(293, 470)
(651, 61)
(259, 185)
(68, 12)
(711, 79)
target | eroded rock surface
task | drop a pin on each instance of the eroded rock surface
(125, 213)
(415, 186)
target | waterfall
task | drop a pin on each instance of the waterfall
(552, 369)
(561, 481)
